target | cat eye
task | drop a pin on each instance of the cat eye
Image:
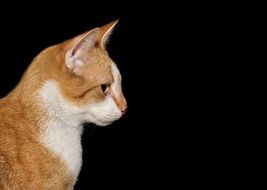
(105, 88)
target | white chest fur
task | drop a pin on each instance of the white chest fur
(65, 141)
(62, 133)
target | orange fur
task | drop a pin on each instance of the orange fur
(25, 163)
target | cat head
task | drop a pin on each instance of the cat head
(89, 81)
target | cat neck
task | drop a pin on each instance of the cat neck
(62, 131)
(57, 107)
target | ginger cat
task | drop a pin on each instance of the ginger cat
(65, 86)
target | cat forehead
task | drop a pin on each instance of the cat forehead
(99, 75)
(98, 67)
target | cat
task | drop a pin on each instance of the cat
(41, 120)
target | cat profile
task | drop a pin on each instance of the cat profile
(65, 86)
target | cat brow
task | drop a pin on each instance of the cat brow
(80, 96)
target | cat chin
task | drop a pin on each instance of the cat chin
(100, 123)
(103, 124)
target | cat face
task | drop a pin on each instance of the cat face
(87, 87)
(91, 81)
(104, 103)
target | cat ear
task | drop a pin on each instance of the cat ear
(74, 56)
(106, 31)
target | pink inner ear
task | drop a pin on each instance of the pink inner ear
(78, 62)
(86, 42)
(82, 46)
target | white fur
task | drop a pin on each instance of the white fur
(116, 86)
(62, 135)
(65, 141)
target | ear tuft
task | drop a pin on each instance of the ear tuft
(106, 32)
